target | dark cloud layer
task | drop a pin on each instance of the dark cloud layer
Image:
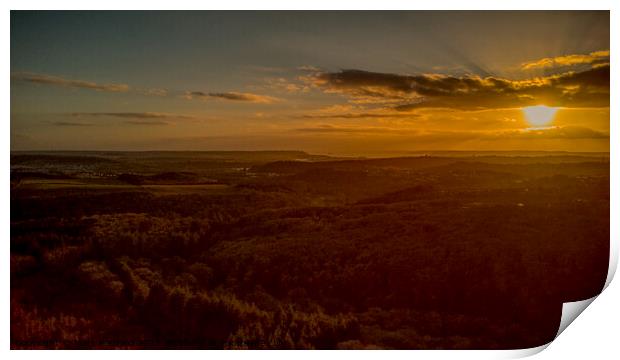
(588, 88)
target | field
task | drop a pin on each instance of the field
(291, 250)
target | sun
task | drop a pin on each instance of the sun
(539, 115)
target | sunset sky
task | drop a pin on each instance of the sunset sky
(324, 82)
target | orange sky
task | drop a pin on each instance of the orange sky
(343, 83)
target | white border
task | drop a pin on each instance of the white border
(593, 334)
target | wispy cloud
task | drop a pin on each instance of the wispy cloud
(70, 83)
(132, 115)
(286, 85)
(156, 92)
(329, 128)
(549, 133)
(191, 95)
(146, 122)
(69, 123)
(236, 96)
(53, 80)
(596, 57)
(232, 96)
(309, 68)
(383, 115)
(556, 132)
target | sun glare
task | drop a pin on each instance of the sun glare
(539, 115)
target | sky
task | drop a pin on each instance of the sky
(347, 83)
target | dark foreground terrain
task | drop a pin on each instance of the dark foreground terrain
(290, 250)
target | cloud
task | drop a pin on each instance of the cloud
(59, 81)
(82, 84)
(190, 95)
(236, 96)
(161, 92)
(593, 58)
(347, 111)
(156, 92)
(328, 128)
(133, 115)
(232, 96)
(359, 115)
(308, 68)
(69, 123)
(282, 84)
(588, 88)
(555, 132)
(364, 86)
(549, 133)
(146, 123)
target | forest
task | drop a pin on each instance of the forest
(288, 250)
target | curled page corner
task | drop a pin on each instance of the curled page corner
(523, 353)
(570, 311)
(614, 245)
